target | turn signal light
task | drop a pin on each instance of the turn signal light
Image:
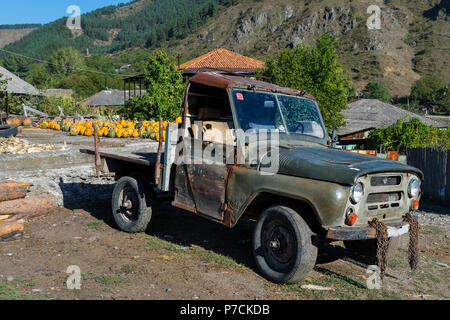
(415, 204)
(351, 219)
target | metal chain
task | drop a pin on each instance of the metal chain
(413, 239)
(382, 244)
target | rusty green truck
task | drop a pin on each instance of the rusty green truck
(316, 194)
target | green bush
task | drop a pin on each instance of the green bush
(411, 134)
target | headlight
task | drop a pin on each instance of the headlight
(357, 192)
(413, 188)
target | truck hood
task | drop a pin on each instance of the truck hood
(343, 167)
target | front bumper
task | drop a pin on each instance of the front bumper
(364, 233)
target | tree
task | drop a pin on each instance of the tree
(3, 83)
(164, 85)
(39, 76)
(432, 91)
(65, 61)
(376, 90)
(408, 134)
(316, 70)
(3, 88)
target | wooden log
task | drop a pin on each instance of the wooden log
(11, 228)
(29, 207)
(11, 190)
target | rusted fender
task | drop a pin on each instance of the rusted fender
(327, 199)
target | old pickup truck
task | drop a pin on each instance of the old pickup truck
(317, 194)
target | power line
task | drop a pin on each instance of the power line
(54, 64)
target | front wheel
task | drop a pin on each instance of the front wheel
(132, 210)
(282, 245)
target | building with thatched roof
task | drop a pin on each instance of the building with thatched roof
(109, 98)
(16, 85)
(365, 115)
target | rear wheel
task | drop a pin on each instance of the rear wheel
(282, 245)
(132, 209)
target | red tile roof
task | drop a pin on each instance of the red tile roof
(223, 59)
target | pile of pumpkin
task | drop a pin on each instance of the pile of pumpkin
(119, 129)
(17, 122)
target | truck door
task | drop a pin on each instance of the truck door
(201, 185)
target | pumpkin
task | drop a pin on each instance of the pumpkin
(17, 122)
(111, 133)
(89, 131)
(74, 131)
(27, 122)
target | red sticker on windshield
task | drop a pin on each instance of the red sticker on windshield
(239, 96)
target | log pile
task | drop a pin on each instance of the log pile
(15, 208)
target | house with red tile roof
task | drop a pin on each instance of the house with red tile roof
(222, 60)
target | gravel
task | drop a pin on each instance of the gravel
(434, 214)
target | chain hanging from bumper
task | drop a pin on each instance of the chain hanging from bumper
(382, 244)
(413, 239)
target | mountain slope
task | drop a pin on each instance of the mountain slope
(259, 28)
(12, 33)
(413, 39)
(140, 23)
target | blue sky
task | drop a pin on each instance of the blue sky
(44, 11)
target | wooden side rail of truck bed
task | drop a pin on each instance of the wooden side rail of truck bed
(142, 163)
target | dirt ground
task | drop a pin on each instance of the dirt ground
(182, 256)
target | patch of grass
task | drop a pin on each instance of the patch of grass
(222, 261)
(432, 230)
(110, 280)
(8, 292)
(156, 243)
(25, 283)
(95, 224)
(129, 269)
(396, 263)
(345, 288)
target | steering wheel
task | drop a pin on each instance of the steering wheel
(299, 123)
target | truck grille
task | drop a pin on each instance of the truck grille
(384, 197)
(385, 181)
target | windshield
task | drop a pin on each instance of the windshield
(287, 114)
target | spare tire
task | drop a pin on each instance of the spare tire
(7, 131)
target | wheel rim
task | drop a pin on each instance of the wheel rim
(129, 203)
(280, 245)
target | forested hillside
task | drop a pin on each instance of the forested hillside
(413, 41)
(142, 23)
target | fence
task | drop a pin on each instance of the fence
(435, 164)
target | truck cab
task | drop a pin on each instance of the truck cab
(254, 150)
